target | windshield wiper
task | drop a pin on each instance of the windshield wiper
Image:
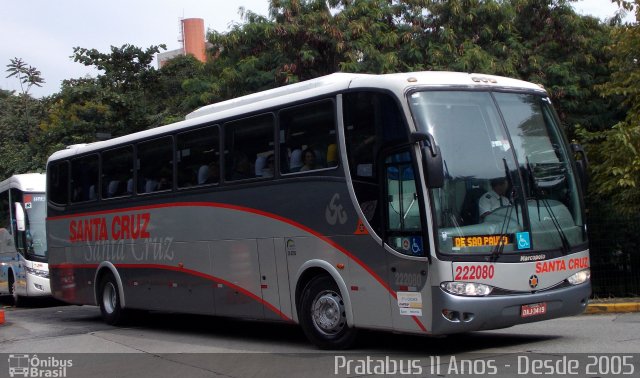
(539, 195)
(504, 229)
(406, 213)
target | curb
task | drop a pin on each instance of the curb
(602, 308)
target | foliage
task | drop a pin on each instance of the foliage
(615, 153)
(27, 75)
(19, 134)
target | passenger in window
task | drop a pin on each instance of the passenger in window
(494, 198)
(269, 167)
(295, 162)
(76, 195)
(209, 174)
(261, 163)
(164, 182)
(150, 185)
(332, 155)
(92, 193)
(203, 174)
(113, 189)
(242, 168)
(309, 160)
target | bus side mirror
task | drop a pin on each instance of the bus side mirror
(582, 164)
(20, 218)
(432, 159)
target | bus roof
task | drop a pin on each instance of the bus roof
(337, 81)
(398, 83)
(28, 182)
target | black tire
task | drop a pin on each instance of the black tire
(322, 315)
(12, 290)
(109, 301)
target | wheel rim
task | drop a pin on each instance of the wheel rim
(109, 298)
(327, 312)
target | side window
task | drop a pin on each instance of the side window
(372, 120)
(155, 165)
(403, 210)
(198, 154)
(249, 148)
(117, 172)
(308, 137)
(84, 178)
(5, 213)
(58, 182)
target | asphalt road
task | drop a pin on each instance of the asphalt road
(161, 344)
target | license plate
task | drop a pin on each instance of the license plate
(533, 309)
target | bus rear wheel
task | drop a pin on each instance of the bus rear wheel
(110, 301)
(323, 315)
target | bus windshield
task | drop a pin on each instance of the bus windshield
(509, 183)
(36, 208)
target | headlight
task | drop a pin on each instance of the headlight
(580, 277)
(469, 289)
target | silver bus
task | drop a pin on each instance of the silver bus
(425, 203)
(24, 269)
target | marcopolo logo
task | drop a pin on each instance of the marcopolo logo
(25, 365)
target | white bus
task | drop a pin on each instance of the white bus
(426, 203)
(24, 268)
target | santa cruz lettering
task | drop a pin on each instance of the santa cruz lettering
(122, 227)
(562, 265)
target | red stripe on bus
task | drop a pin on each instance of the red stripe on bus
(253, 211)
(208, 277)
(180, 270)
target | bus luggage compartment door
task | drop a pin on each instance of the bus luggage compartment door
(237, 269)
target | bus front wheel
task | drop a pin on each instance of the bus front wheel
(12, 290)
(323, 315)
(110, 301)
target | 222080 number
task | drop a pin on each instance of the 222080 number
(474, 272)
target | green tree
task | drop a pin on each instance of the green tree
(183, 87)
(615, 153)
(28, 76)
(122, 99)
(19, 133)
(19, 118)
(567, 54)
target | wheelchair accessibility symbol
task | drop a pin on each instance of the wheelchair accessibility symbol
(413, 245)
(523, 239)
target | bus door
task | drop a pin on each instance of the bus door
(19, 239)
(19, 226)
(20, 222)
(403, 233)
(385, 185)
(7, 249)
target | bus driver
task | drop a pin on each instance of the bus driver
(494, 198)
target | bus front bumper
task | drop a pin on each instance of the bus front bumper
(37, 286)
(455, 314)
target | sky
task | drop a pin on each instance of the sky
(43, 33)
